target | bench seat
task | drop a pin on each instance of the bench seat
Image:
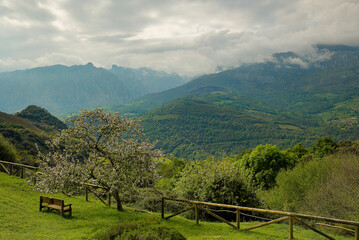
(56, 204)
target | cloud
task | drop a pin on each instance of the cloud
(189, 37)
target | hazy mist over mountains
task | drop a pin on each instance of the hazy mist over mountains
(61, 89)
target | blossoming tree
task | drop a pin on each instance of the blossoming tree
(98, 148)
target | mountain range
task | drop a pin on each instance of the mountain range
(288, 81)
(286, 100)
(61, 89)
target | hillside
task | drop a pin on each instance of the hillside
(289, 82)
(21, 219)
(61, 89)
(42, 118)
(287, 100)
(220, 123)
(28, 131)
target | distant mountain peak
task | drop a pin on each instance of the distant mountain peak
(336, 47)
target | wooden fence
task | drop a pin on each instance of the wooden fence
(17, 169)
(91, 188)
(291, 217)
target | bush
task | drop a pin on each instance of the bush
(293, 186)
(338, 195)
(216, 181)
(7, 151)
(153, 233)
(327, 187)
(149, 230)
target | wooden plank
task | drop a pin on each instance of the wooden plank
(238, 218)
(16, 171)
(313, 229)
(337, 227)
(20, 165)
(98, 197)
(182, 211)
(196, 213)
(267, 211)
(216, 216)
(266, 223)
(290, 228)
(6, 170)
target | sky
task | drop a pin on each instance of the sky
(188, 37)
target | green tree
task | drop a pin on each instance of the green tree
(7, 151)
(218, 181)
(99, 148)
(264, 163)
(324, 146)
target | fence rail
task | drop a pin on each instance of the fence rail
(291, 217)
(90, 188)
(12, 168)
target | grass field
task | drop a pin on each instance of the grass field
(20, 219)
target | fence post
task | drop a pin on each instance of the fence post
(22, 173)
(238, 218)
(290, 228)
(87, 194)
(357, 232)
(109, 199)
(196, 213)
(11, 169)
(163, 208)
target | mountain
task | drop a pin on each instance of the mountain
(289, 82)
(287, 100)
(61, 89)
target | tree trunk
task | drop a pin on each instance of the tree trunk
(118, 200)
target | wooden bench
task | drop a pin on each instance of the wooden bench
(55, 203)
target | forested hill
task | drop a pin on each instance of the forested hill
(42, 118)
(221, 123)
(28, 131)
(287, 100)
(288, 81)
(61, 89)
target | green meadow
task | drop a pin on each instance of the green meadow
(20, 218)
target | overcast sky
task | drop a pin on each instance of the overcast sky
(185, 36)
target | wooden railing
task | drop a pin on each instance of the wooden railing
(291, 217)
(12, 168)
(90, 188)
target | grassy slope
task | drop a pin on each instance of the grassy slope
(21, 219)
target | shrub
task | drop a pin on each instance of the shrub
(149, 230)
(217, 181)
(327, 187)
(7, 151)
(338, 195)
(293, 186)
